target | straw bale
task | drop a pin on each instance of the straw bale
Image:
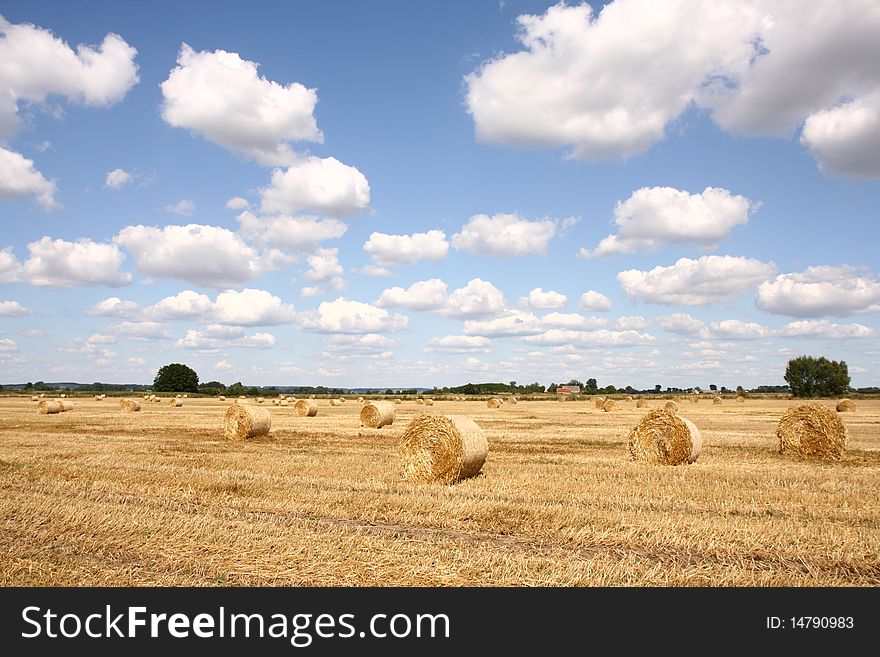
(306, 408)
(494, 403)
(845, 405)
(443, 449)
(609, 405)
(664, 438)
(377, 414)
(130, 405)
(246, 422)
(811, 430)
(48, 407)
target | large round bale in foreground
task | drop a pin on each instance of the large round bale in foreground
(442, 448)
(664, 438)
(48, 407)
(130, 405)
(811, 430)
(494, 403)
(305, 408)
(378, 414)
(246, 422)
(671, 406)
(609, 405)
(845, 405)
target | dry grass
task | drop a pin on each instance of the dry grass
(162, 498)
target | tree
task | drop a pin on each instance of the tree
(657, 388)
(713, 387)
(176, 378)
(817, 377)
(591, 386)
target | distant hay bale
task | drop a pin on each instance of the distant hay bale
(306, 408)
(641, 403)
(716, 400)
(341, 400)
(671, 406)
(283, 402)
(429, 402)
(130, 405)
(740, 399)
(444, 449)
(335, 402)
(246, 422)
(260, 400)
(628, 398)
(176, 403)
(311, 396)
(398, 401)
(275, 402)
(145, 396)
(599, 401)
(377, 414)
(360, 399)
(98, 398)
(221, 398)
(158, 400)
(811, 430)
(609, 405)
(664, 438)
(845, 405)
(420, 402)
(103, 395)
(35, 398)
(185, 396)
(63, 395)
(48, 407)
(242, 397)
(511, 400)
(494, 403)
(695, 399)
(42, 394)
(178, 396)
(66, 405)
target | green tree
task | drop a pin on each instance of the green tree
(176, 378)
(817, 377)
(591, 386)
(236, 389)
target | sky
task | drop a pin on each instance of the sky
(396, 194)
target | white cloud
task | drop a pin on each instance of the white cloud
(117, 178)
(293, 235)
(204, 255)
(595, 301)
(184, 208)
(57, 263)
(513, 323)
(459, 344)
(373, 270)
(13, 309)
(601, 337)
(325, 269)
(183, 305)
(255, 341)
(654, 216)
(10, 267)
(100, 338)
(820, 291)
(845, 140)
(808, 328)
(389, 250)
(237, 203)
(197, 340)
(369, 344)
(735, 329)
(223, 365)
(251, 307)
(34, 63)
(539, 299)
(695, 282)
(19, 178)
(683, 324)
(323, 185)
(114, 307)
(572, 321)
(220, 96)
(632, 322)
(422, 295)
(344, 316)
(222, 331)
(477, 298)
(505, 235)
(138, 330)
(8, 345)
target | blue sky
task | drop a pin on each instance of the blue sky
(401, 194)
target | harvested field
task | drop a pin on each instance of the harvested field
(161, 497)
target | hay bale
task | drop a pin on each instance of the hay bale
(246, 422)
(609, 405)
(845, 405)
(98, 398)
(242, 397)
(48, 407)
(260, 400)
(740, 399)
(103, 395)
(360, 399)
(378, 414)
(628, 398)
(444, 449)
(34, 398)
(811, 430)
(641, 403)
(306, 408)
(66, 405)
(664, 438)
(185, 396)
(511, 400)
(341, 400)
(429, 402)
(695, 399)
(283, 402)
(221, 398)
(398, 401)
(158, 400)
(130, 405)
(176, 403)
(63, 396)
(145, 396)
(494, 403)
(178, 396)
(599, 401)
(335, 402)
(420, 402)
(671, 406)
(311, 396)
(716, 400)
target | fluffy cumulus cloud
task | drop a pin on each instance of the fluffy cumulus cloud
(819, 291)
(34, 64)
(345, 316)
(58, 263)
(13, 309)
(390, 250)
(294, 235)
(811, 328)
(505, 235)
(114, 307)
(10, 267)
(222, 97)
(251, 307)
(600, 337)
(695, 282)
(325, 271)
(238, 203)
(117, 178)
(184, 208)
(19, 179)
(746, 62)
(572, 321)
(595, 301)
(539, 299)
(512, 323)
(654, 216)
(183, 305)
(477, 298)
(314, 184)
(682, 324)
(138, 330)
(459, 344)
(368, 344)
(422, 295)
(204, 255)
(255, 341)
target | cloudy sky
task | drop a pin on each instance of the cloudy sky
(416, 194)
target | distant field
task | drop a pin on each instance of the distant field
(95, 496)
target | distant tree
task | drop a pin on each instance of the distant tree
(740, 390)
(236, 389)
(97, 386)
(591, 386)
(817, 377)
(552, 388)
(253, 391)
(176, 378)
(713, 387)
(512, 384)
(657, 388)
(389, 391)
(28, 385)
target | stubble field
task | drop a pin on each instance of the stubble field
(95, 496)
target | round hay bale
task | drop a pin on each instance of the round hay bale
(63, 396)
(42, 394)
(185, 396)
(628, 398)
(48, 407)
(221, 398)
(176, 403)
(145, 396)
(275, 402)
(494, 403)
(695, 400)
(103, 395)
(335, 402)
(444, 449)
(641, 403)
(398, 401)
(845, 405)
(671, 406)
(242, 397)
(246, 422)
(311, 396)
(740, 399)
(306, 408)
(716, 400)
(811, 430)
(341, 400)
(599, 401)
(511, 400)
(34, 398)
(130, 405)
(429, 402)
(420, 402)
(284, 402)
(260, 400)
(360, 399)
(609, 405)
(664, 438)
(99, 398)
(178, 396)
(66, 405)
(378, 414)
(158, 400)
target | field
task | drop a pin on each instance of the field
(94, 496)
